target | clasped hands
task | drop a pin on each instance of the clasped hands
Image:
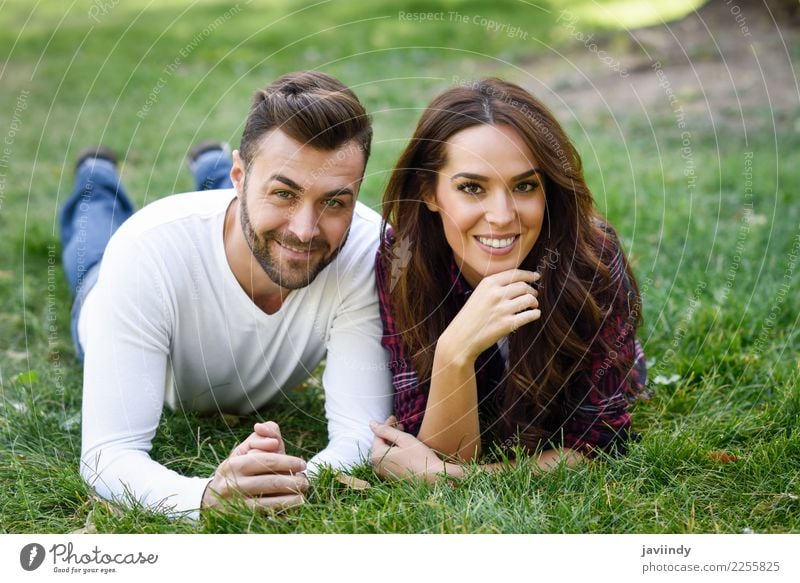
(259, 472)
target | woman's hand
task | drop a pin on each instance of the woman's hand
(500, 304)
(398, 455)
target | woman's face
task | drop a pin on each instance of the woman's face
(491, 199)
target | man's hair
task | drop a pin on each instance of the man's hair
(311, 108)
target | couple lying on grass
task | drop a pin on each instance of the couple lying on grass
(489, 305)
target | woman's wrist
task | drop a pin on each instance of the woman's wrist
(453, 352)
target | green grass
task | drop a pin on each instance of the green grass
(717, 280)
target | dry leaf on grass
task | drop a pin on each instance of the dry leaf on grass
(723, 457)
(352, 482)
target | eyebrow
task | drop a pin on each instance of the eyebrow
(287, 181)
(344, 191)
(471, 176)
(338, 192)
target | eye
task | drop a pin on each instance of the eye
(283, 194)
(527, 186)
(333, 203)
(470, 188)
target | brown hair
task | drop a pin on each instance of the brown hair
(573, 297)
(310, 107)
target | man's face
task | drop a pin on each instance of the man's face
(297, 203)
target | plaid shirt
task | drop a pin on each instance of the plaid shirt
(597, 419)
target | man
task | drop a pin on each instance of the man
(219, 300)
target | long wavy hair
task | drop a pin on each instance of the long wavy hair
(575, 290)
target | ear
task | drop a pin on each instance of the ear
(430, 202)
(238, 171)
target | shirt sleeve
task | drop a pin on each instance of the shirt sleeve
(356, 379)
(596, 407)
(409, 399)
(126, 325)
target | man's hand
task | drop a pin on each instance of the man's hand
(398, 455)
(259, 472)
(265, 437)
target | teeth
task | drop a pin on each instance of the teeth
(496, 243)
(293, 249)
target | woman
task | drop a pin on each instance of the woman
(509, 308)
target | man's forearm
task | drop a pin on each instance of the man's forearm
(134, 475)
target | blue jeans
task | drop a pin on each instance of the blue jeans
(96, 208)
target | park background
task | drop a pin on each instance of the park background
(686, 114)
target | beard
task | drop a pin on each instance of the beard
(289, 273)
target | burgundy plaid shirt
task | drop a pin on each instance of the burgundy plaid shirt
(597, 419)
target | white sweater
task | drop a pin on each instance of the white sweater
(168, 321)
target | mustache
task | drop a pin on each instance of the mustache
(318, 244)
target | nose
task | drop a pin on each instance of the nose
(304, 223)
(501, 209)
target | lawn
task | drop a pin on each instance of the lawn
(703, 204)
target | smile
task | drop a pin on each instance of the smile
(294, 250)
(496, 243)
